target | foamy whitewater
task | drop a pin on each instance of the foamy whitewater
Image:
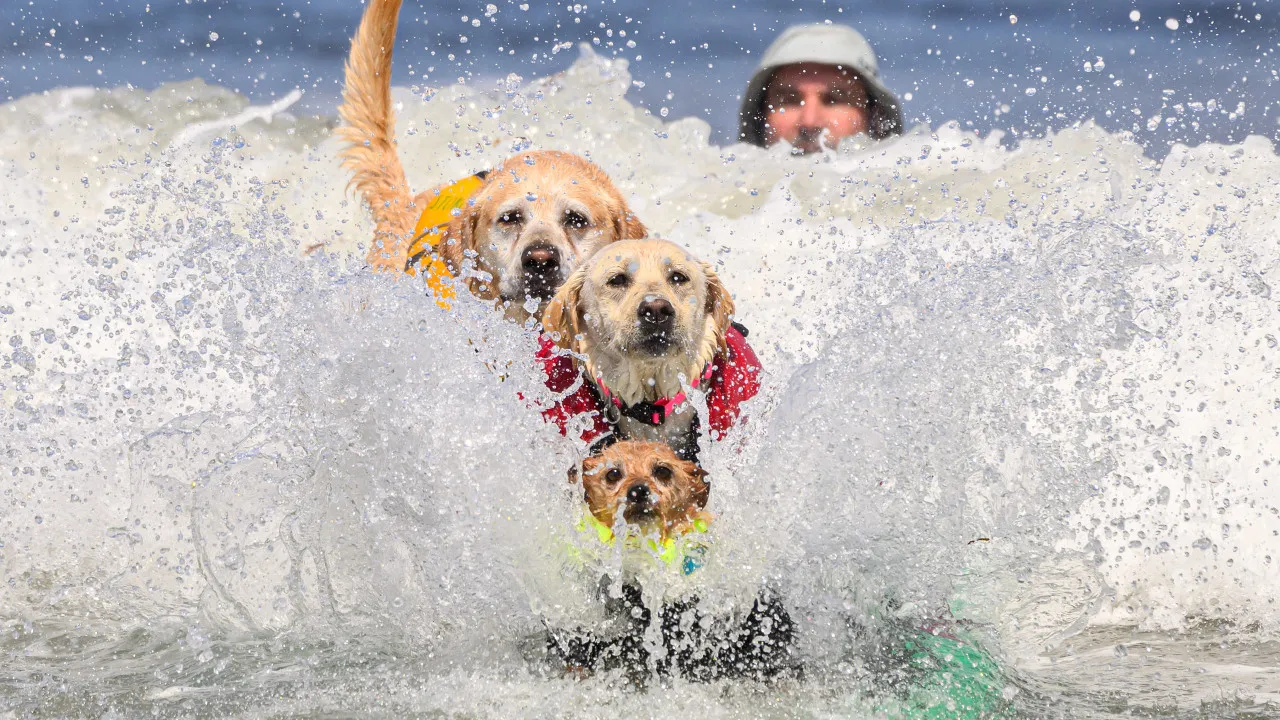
(1035, 391)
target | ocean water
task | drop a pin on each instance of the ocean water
(1031, 391)
(1165, 70)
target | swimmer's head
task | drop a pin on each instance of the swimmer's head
(817, 85)
(809, 105)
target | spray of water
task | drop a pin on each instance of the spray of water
(1030, 389)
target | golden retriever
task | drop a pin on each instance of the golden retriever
(524, 230)
(647, 321)
(658, 492)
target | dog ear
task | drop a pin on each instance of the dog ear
(459, 238)
(563, 317)
(719, 303)
(626, 226)
(701, 486)
(590, 468)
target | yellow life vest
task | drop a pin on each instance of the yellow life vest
(426, 235)
(685, 553)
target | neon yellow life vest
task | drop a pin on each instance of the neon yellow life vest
(687, 554)
(427, 233)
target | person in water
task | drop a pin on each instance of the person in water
(815, 86)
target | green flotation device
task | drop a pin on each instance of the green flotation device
(951, 680)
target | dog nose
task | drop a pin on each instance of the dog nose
(638, 494)
(656, 312)
(540, 259)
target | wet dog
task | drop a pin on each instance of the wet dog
(642, 491)
(521, 233)
(646, 323)
(532, 223)
(657, 493)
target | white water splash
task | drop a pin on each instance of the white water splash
(1035, 388)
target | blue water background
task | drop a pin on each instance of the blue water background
(964, 61)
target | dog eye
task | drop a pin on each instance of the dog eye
(619, 280)
(614, 476)
(575, 219)
(679, 278)
(662, 474)
(511, 217)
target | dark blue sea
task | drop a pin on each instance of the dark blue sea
(1186, 72)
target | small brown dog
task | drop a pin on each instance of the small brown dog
(665, 497)
(648, 320)
(662, 494)
(520, 235)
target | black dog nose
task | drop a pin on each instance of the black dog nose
(638, 494)
(540, 259)
(656, 312)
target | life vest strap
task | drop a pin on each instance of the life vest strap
(686, 553)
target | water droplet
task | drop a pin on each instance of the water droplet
(1134, 16)
(1171, 23)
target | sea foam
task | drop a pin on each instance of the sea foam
(1037, 388)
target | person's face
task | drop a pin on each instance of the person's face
(805, 99)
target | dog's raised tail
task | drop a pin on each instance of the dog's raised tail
(367, 132)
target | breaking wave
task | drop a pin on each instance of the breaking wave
(1032, 390)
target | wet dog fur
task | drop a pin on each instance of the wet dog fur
(646, 318)
(655, 490)
(536, 217)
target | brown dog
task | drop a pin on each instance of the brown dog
(523, 232)
(662, 493)
(648, 320)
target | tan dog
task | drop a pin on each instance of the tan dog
(648, 321)
(522, 233)
(662, 493)
(536, 218)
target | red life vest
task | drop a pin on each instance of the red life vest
(735, 378)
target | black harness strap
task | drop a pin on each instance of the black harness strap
(685, 448)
